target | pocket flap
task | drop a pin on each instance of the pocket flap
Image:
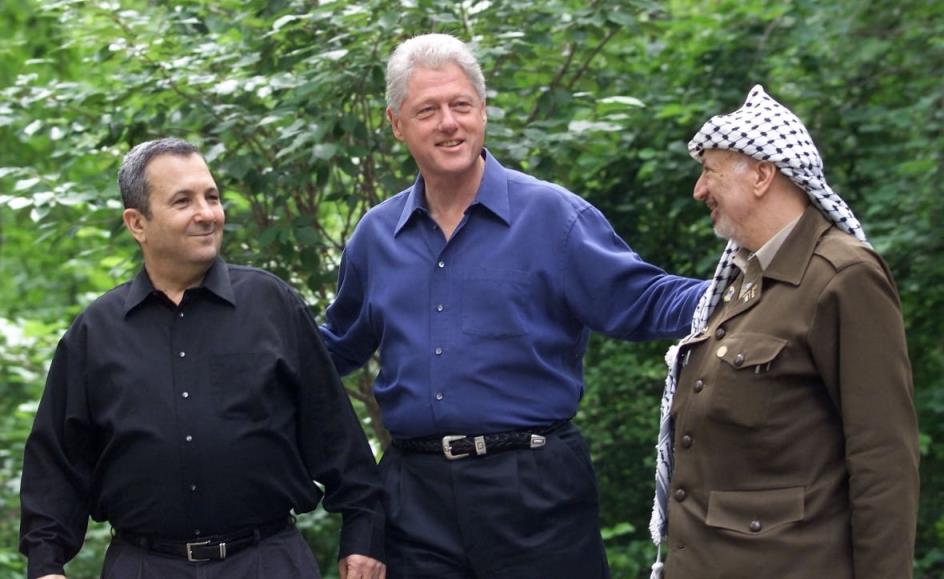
(747, 350)
(755, 512)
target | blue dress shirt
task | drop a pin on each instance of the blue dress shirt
(486, 332)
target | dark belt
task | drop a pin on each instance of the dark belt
(455, 446)
(212, 548)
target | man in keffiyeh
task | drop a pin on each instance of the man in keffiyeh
(788, 446)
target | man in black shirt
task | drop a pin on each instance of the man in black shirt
(192, 408)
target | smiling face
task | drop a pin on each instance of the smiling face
(185, 226)
(725, 188)
(442, 122)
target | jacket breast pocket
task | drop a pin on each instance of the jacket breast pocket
(495, 302)
(746, 378)
(243, 385)
(755, 512)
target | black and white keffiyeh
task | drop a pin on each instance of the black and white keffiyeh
(767, 131)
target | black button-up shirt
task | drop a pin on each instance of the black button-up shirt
(195, 419)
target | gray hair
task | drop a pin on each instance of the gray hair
(132, 181)
(429, 51)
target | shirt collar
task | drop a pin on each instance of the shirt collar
(216, 281)
(766, 253)
(492, 194)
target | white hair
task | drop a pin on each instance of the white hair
(429, 51)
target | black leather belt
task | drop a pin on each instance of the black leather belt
(455, 446)
(212, 548)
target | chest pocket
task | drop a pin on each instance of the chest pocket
(495, 302)
(243, 385)
(746, 378)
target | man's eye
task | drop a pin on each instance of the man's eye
(462, 107)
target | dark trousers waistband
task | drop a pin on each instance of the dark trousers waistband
(454, 446)
(210, 548)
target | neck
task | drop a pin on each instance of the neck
(775, 211)
(175, 279)
(448, 196)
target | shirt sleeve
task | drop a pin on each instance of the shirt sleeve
(858, 343)
(57, 465)
(613, 291)
(334, 446)
(347, 332)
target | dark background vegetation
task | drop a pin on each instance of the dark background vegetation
(286, 100)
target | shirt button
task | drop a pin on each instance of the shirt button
(185, 394)
(188, 438)
(439, 396)
(441, 264)
(193, 488)
(719, 333)
(183, 354)
(699, 386)
(680, 495)
(739, 360)
(438, 351)
(196, 532)
(756, 526)
(686, 441)
(440, 307)
(181, 314)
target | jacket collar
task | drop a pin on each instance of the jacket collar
(794, 255)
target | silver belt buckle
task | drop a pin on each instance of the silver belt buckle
(190, 546)
(447, 448)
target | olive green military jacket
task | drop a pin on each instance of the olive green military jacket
(796, 443)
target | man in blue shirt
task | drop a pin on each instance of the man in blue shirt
(479, 285)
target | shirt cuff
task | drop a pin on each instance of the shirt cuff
(363, 534)
(45, 560)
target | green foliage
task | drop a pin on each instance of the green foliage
(285, 97)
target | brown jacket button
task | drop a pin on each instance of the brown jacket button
(719, 333)
(699, 386)
(739, 360)
(680, 495)
(756, 526)
(686, 441)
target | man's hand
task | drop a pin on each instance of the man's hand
(361, 567)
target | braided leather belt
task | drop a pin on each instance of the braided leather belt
(455, 446)
(215, 548)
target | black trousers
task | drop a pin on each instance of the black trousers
(284, 555)
(517, 514)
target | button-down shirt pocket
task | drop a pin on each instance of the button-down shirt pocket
(495, 302)
(241, 385)
(755, 512)
(746, 378)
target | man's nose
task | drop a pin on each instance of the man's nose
(202, 210)
(447, 120)
(700, 191)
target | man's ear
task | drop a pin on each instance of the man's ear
(763, 176)
(134, 221)
(394, 124)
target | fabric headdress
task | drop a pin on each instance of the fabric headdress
(767, 131)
